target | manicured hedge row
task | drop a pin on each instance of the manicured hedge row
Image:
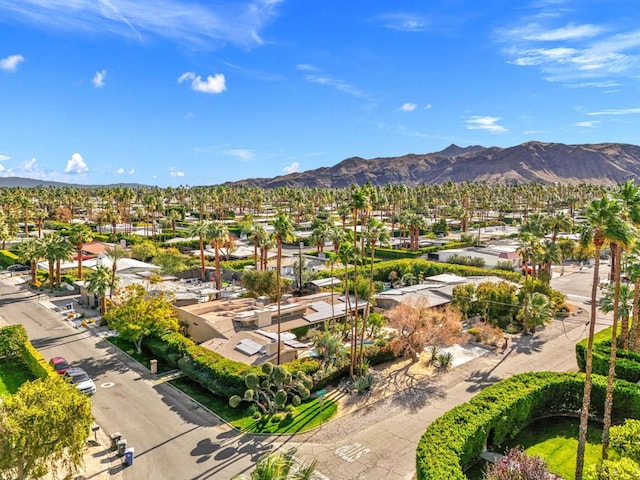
(627, 363)
(427, 268)
(456, 439)
(8, 258)
(225, 377)
(15, 342)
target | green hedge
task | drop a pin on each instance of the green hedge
(224, 377)
(15, 342)
(8, 258)
(456, 439)
(428, 268)
(627, 362)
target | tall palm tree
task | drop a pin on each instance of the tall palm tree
(200, 229)
(29, 252)
(603, 218)
(376, 233)
(219, 234)
(99, 282)
(621, 239)
(54, 248)
(114, 254)
(79, 234)
(283, 233)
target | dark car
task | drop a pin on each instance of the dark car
(81, 380)
(59, 364)
(17, 267)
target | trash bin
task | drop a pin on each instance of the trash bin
(122, 446)
(128, 456)
(115, 437)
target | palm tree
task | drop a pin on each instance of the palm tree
(219, 234)
(29, 252)
(621, 239)
(603, 218)
(99, 282)
(376, 233)
(114, 254)
(283, 233)
(281, 465)
(200, 229)
(560, 222)
(54, 248)
(79, 234)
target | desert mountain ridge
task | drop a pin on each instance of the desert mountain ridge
(601, 164)
(539, 162)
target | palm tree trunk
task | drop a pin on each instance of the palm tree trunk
(278, 266)
(635, 328)
(608, 401)
(588, 381)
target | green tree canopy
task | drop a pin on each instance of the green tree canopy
(43, 428)
(139, 314)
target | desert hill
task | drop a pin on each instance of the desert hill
(602, 164)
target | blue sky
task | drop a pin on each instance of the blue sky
(176, 92)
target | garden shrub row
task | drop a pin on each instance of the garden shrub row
(427, 268)
(627, 362)
(455, 440)
(14, 342)
(224, 377)
(394, 253)
(8, 258)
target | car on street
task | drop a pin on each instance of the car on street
(59, 364)
(81, 380)
(17, 268)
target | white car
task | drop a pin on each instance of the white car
(81, 380)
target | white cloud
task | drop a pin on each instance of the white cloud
(291, 168)
(408, 107)
(29, 165)
(213, 84)
(174, 172)
(132, 171)
(617, 111)
(570, 52)
(98, 79)
(571, 31)
(76, 165)
(203, 24)
(10, 63)
(241, 153)
(587, 124)
(120, 171)
(485, 123)
(4, 157)
(405, 22)
(336, 84)
(428, 106)
(306, 67)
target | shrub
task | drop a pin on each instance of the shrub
(627, 363)
(456, 439)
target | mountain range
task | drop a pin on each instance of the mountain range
(602, 164)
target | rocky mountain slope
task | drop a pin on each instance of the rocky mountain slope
(603, 164)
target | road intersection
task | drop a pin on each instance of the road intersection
(174, 437)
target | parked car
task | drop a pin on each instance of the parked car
(59, 364)
(81, 380)
(17, 268)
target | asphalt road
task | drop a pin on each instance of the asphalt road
(174, 438)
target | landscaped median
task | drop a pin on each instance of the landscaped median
(454, 441)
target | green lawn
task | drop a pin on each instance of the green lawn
(309, 414)
(13, 373)
(143, 358)
(556, 440)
